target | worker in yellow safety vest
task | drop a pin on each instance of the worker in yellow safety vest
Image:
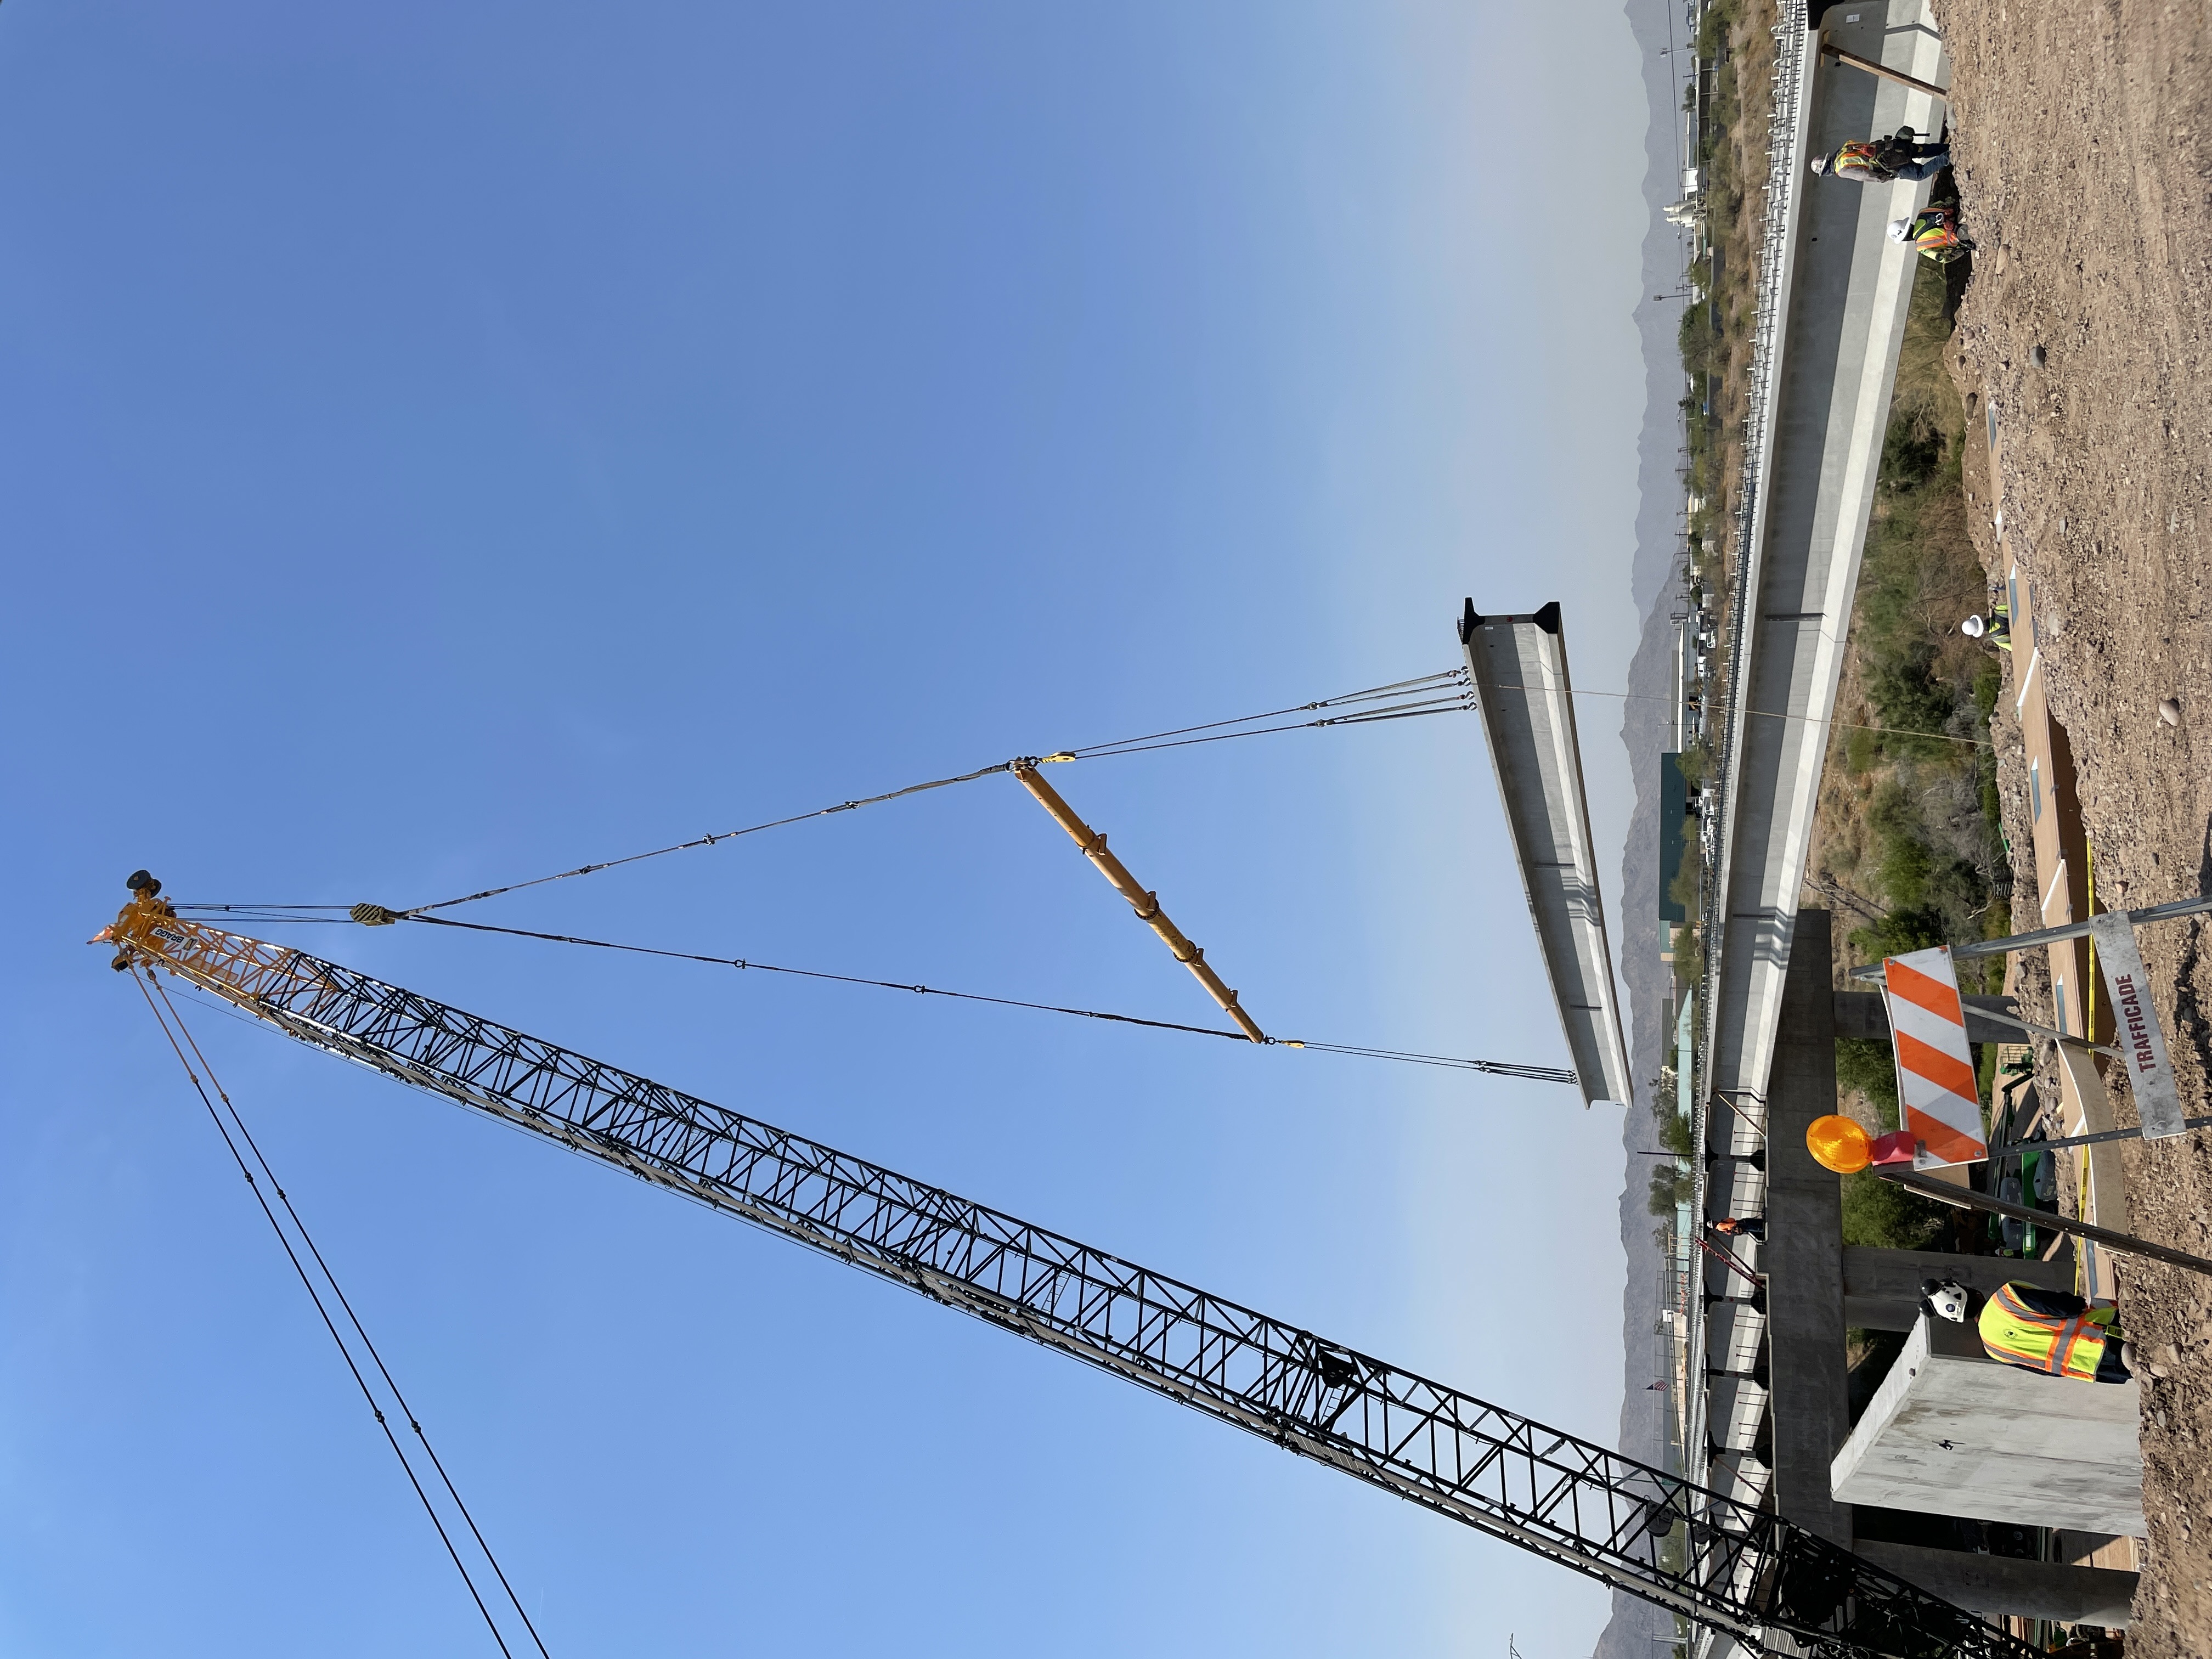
(1882, 161)
(1996, 628)
(2050, 1333)
(1934, 232)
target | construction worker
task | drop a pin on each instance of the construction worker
(1742, 1226)
(2050, 1333)
(1883, 160)
(1996, 628)
(1934, 232)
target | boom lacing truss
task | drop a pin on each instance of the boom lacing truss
(1720, 1563)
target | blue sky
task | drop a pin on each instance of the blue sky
(444, 444)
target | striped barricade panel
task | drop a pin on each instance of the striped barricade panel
(1935, 1083)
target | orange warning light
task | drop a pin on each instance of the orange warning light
(1838, 1144)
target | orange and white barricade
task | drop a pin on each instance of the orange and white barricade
(1941, 1100)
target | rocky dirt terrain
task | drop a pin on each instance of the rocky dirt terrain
(2083, 139)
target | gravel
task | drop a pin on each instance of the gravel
(2081, 134)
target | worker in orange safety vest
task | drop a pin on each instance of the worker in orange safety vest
(2051, 1333)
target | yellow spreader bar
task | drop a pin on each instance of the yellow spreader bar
(1146, 905)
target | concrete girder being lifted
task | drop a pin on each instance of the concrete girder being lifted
(1518, 667)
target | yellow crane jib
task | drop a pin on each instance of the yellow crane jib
(1146, 904)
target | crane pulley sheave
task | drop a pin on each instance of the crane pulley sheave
(1696, 1553)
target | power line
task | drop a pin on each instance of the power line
(315, 1296)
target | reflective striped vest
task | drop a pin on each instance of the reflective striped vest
(1863, 159)
(2050, 1343)
(1933, 230)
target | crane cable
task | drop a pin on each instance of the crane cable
(315, 1296)
(1423, 695)
(1489, 1067)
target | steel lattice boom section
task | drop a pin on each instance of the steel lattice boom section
(1639, 1529)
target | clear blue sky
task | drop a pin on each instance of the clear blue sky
(444, 443)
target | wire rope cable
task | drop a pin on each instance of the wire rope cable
(1423, 695)
(1429, 698)
(1419, 698)
(1492, 1067)
(314, 1295)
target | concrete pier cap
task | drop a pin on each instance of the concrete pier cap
(1951, 1431)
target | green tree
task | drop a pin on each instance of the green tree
(1671, 1189)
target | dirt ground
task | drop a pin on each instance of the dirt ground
(2083, 138)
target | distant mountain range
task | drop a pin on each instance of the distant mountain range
(1635, 1626)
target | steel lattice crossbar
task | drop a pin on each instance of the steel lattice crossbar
(1718, 1562)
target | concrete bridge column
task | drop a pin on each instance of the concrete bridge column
(1999, 1584)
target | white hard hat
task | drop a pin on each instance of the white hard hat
(1947, 1298)
(1820, 164)
(1973, 627)
(1900, 230)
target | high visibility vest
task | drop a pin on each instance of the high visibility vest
(2017, 1334)
(1858, 158)
(1933, 229)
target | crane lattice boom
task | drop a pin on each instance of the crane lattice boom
(1718, 1562)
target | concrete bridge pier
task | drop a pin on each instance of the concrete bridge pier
(1816, 1290)
(2025, 1589)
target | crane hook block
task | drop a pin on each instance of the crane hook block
(373, 916)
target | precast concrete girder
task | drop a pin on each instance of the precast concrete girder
(1518, 666)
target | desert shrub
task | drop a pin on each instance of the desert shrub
(1861, 752)
(1918, 874)
(1904, 869)
(1879, 1213)
(1867, 1065)
(1899, 932)
(1910, 699)
(1713, 30)
(1911, 450)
